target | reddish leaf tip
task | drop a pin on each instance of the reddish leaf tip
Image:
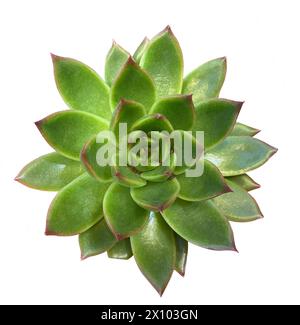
(83, 257)
(168, 29)
(55, 57)
(49, 232)
(131, 61)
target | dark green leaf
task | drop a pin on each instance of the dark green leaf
(179, 110)
(237, 155)
(181, 254)
(96, 240)
(245, 181)
(50, 172)
(163, 60)
(206, 81)
(81, 87)
(68, 131)
(153, 122)
(238, 205)
(200, 223)
(216, 117)
(123, 216)
(77, 207)
(154, 251)
(133, 83)
(243, 129)
(121, 250)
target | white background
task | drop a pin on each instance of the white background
(261, 42)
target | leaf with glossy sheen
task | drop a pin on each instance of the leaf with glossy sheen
(89, 160)
(216, 117)
(153, 122)
(243, 129)
(96, 240)
(238, 155)
(133, 83)
(115, 59)
(163, 60)
(140, 50)
(50, 172)
(206, 81)
(123, 216)
(208, 185)
(200, 223)
(154, 251)
(245, 181)
(68, 131)
(181, 254)
(156, 196)
(126, 112)
(179, 110)
(238, 205)
(121, 250)
(160, 173)
(81, 87)
(77, 207)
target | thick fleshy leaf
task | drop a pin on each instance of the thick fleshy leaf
(238, 155)
(245, 181)
(50, 172)
(153, 122)
(77, 207)
(206, 81)
(140, 50)
(123, 216)
(96, 240)
(163, 60)
(179, 110)
(160, 173)
(208, 185)
(243, 130)
(127, 112)
(81, 87)
(133, 83)
(154, 251)
(181, 254)
(216, 117)
(200, 223)
(121, 250)
(115, 59)
(89, 159)
(68, 131)
(156, 196)
(238, 205)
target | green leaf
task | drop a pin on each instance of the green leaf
(154, 252)
(210, 184)
(200, 223)
(156, 196)
(160, 173)
(68, 131)
(115, 59)
(181, 254)
(81, 87)
(140, 50)
(238, 205)
(121, 250)
(126, 112)
(77, 207)
(216, 117)
(123, 216)
(153, 122)
(238, 155)
(245, 181)
(126, 175)
(206, 81)
(243, 130)
(89, 160)
(50, 172)
(133, 83)
(96, 240)
(179, 110)
(163, 60)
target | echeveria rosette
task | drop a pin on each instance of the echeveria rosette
(149, 213)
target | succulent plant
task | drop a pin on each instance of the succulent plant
(149, 212)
